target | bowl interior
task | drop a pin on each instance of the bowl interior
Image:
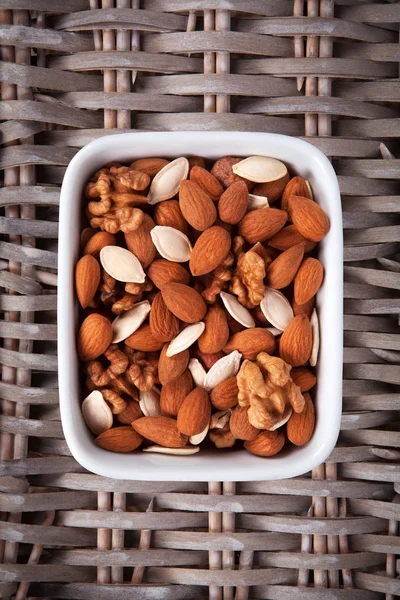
(238, 465)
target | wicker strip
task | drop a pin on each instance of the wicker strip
(74, 71)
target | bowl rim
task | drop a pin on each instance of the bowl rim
(183, 471)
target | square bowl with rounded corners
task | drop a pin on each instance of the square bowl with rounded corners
(208, 465)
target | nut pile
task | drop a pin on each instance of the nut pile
(198, 305)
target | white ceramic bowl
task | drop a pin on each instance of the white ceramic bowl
(208, 465)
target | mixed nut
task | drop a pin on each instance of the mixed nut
(198, 305)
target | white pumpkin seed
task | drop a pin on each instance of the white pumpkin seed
(167, 181)
(225, 367)
(197, 371)
(285, 418)
(185, 451)
(256, 202)
(237, 310)
(220, 419)
(261, 169)
(185, 338)
(197, 439)
(315, 331)
(96, 413)
(171, 243)
(274, 330)
(121, 264)
(276, 308)
(149, 403)
(309, 189)
(128, 322)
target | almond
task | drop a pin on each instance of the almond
(260, 169)
(225, 394)
(196, 161)
(222, 170)
(267, 443)
(162, 272)
(251, 342)
(196, 206)
(119, 439)
(216, 333)
(240, 426)
(174, 393)
(171, 367)
(207, 182)
(86, 234)
(130, 414)
(297, 186)
(194, 413)
(232, 205)
(94, 336)
(184, 302)
(260, 225)
(150, 166)
(272, 190)
(304, 378)
(300, 426)
(163, 324)
(87, 279)
(143, 339)
(304, 309)
(161, 430)
(296, 341)
(210, 250)
(310, 220)
(287, 238)
(283, 269)
(308, 280)
(139, 242)
(98, 241)
(169, 214)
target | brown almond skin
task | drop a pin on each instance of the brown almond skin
(151, 166)
(310, 219)
(283, 269)
(86, 234)
(300, 426)
(196, 206)
(163, 324)
(296, 341)
(142, 339)
(87, 279)
(119, 439)
(304, 378)
(222, 170)
(207, 182)
(210, 250)
(171, 367)
(174, 393)
(297, 186)
(272, 189)
(267, 443)
(287, 238)
(232, 205)
(259, 225)
(216, 333)
(97, 241)
(168, 214)
(160, 430)
(194, 413)
(240, 426)
(207, 359)
(196, 161)
(225, 394)
(308, 280)
(184, 302)
(163, 271)
(251, 342)
(130, 414)
(94, 337)
(139, 242)
(304, 309)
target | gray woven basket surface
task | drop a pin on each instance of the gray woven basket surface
(324, 70)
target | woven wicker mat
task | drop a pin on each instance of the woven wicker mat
(72, 69)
